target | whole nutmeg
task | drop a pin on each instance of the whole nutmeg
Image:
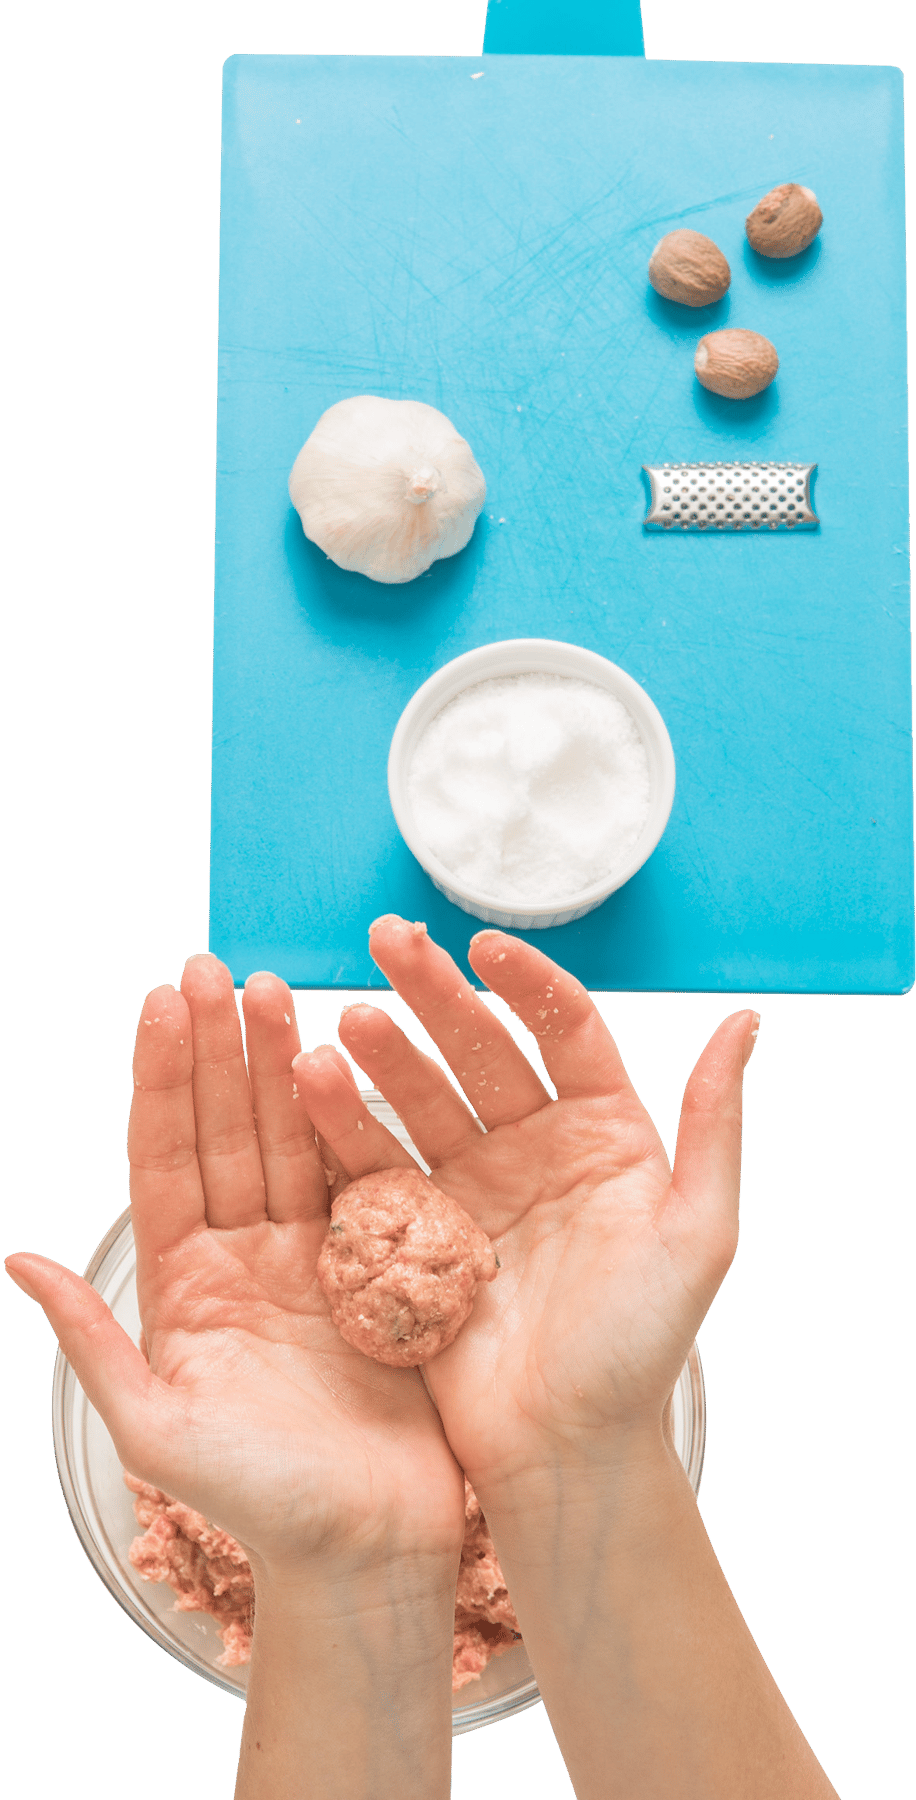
(735, 363)
(690, 268)
(785, 221)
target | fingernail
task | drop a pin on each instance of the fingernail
(751, 1038)
(416, 927)
(20, 1280)
(261, 975)
(200, 956)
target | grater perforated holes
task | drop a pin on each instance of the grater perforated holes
(730, 496)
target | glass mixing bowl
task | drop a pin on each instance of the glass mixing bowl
(102, 1511)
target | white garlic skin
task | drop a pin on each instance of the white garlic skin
(386, 487)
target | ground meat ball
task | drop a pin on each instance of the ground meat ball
(400, 1266)
(210, 1573)
(208, 1570)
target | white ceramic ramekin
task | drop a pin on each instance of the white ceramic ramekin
(523, 656)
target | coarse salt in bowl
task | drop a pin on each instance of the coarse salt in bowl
(509, 791)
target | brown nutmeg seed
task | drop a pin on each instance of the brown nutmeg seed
(785, 221)
(735, 363)
(688, 267)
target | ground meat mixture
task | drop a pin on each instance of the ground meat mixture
(210, 1573)
(207, 1568)
(485, 1621)
(400, 1266)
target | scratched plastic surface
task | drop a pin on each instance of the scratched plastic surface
(394, 226)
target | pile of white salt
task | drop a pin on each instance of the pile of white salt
(530, 787)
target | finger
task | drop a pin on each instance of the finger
(227, 1144)
(580, 1055)
(297, 1187)
(707, 1162)
(493, 1072)
(166, 1193)
(437, 1119)
(134, 1403)
(342, 1117)
(336, 1174)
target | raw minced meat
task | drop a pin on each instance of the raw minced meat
(400, 1266)
(210, 1573)
(208, 1570)
(485, 1621)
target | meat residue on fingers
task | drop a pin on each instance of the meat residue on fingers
(400, 1266)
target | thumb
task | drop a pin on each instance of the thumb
(133, 1402)
(707, 1162)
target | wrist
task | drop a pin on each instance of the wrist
(331, 1587)
(350, 1679)
(586, 1473)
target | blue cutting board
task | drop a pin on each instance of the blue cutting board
(397, 227)
(564, 27)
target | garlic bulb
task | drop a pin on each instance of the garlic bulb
(386, 487)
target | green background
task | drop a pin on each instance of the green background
(112, 117)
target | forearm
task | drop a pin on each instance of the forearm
(653, 1684)
(349, 1695)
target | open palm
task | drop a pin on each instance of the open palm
(248, 1405)
(609, 1262)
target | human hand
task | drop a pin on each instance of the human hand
(554, 1395)
(250, 1407)
(609, 1259)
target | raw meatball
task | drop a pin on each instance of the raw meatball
(400, 1266)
